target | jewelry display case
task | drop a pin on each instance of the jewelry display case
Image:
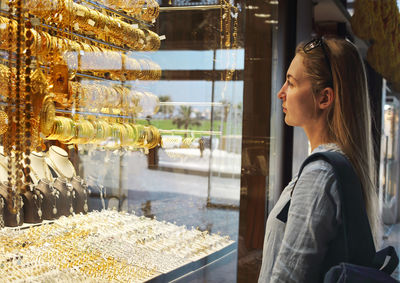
(120, 127)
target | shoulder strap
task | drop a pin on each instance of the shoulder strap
(355, 221)
(356, 236)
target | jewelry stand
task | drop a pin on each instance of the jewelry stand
(81, 195)
(39, 168)
(35, 198)
(57, 160)
(38, 202)
(63, 171)
(67, 194)
(32, 208)
(10, 219)
(51, 199)
(3, 166)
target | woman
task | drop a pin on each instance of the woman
(326, 94)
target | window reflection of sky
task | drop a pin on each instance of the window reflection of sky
(199, 91)
(197, 60)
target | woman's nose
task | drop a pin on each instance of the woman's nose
(282, 92)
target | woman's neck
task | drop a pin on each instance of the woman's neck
(317, 134)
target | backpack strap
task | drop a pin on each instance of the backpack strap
(357, 236)
(380, 258)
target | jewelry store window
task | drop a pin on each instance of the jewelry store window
(121, 125)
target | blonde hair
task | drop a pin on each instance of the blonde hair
(349, 119)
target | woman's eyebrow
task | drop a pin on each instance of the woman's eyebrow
(289, 76)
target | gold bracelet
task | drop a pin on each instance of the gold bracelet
(141, 140)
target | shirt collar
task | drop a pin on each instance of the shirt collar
(327, 147)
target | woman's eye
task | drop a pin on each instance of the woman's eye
(289, 83)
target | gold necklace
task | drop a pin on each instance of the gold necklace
(2, 225)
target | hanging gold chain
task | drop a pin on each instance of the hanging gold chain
(228, 40)
(28, 126)
(8, 141)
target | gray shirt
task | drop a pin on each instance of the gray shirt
(294, 251)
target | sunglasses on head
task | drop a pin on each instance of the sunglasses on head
(315, 43)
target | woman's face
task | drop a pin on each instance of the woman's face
(297, 98)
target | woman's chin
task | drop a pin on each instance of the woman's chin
(287, 121)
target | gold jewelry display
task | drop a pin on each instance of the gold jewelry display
(75, 60)
(153, 137)
(90, 248)
(132, 135)
(1, 214)
(129, 102)
(227, 39)
(93, 58)
(16, 140)
(63, 129)
(47, 115)
(95, 23)
(84, 132)
(151, 12)
(9, 137)
(141, 139)
(102, 131)
(3, 122)
(99, 131)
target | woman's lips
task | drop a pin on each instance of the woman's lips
(284, 109)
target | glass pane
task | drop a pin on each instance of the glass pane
(122, 130)
(389, 164)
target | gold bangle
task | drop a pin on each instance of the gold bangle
(84, 132)
(47, 115)
(131, 135)
(69, 130)
(153, 137)
(124, 134)
(56, 129)
(141, 140)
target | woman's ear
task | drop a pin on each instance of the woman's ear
(326, 98)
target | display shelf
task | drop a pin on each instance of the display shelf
(211, 133)
(29, 225)
(195, 266)
(75, 73)
(108, 9)
(86, 76)
(190, 8)
(156, 251)
(79, 35)
(47, 26)
(198, 104)
(331, 10)
(334, 11)
(86, 113)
